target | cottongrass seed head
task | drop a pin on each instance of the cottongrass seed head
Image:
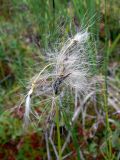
(71, 62)
(67, 68)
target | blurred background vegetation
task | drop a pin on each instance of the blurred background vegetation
(27, 29)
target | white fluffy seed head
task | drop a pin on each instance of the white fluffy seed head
(81, 37)
(72, 60)
(70, 67)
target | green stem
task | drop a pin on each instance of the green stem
(108, 129)
(58, 133)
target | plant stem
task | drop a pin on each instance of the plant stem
(108, 129)
(58, 133)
